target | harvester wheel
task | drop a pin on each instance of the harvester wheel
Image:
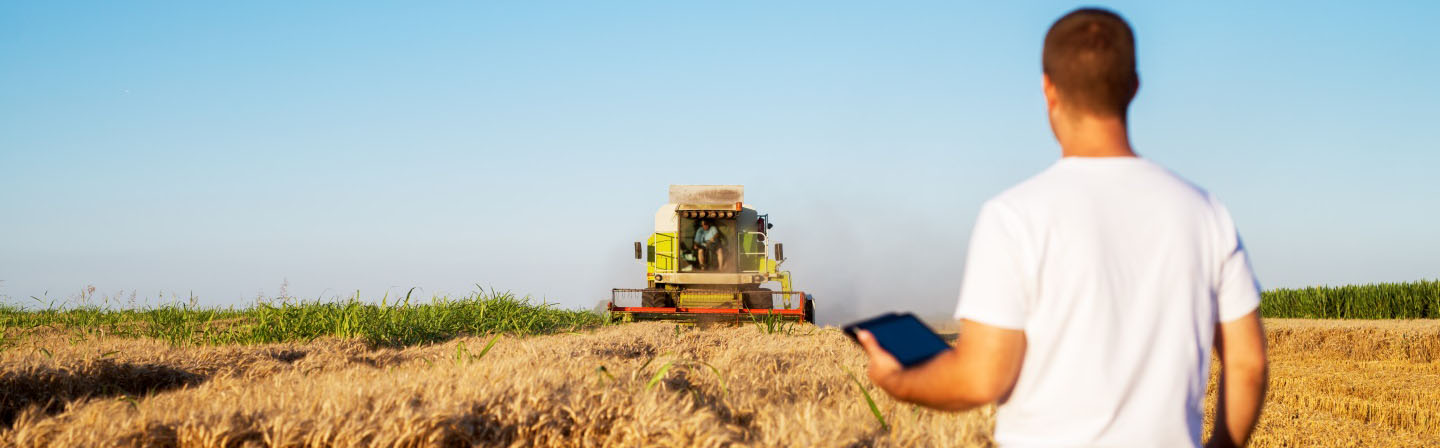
(761, 299)
(655, 299)
(809, 309)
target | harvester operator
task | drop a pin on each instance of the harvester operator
(1094, 291)
(707, 246)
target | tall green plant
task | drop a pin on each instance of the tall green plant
(1411, 300)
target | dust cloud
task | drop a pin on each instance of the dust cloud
(860, 266)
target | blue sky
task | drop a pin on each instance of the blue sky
(222, 149)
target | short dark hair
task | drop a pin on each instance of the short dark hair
(1090, 58)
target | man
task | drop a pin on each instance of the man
(1093, 291)
(705, 244)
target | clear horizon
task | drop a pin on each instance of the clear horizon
(226, 149)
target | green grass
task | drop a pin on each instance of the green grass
(874, 410)
(283, 320)
(1411, 300)
(771, 323)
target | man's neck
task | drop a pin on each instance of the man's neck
(1097, 137)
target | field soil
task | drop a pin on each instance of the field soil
(1333, 383)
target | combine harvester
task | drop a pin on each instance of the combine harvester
(708, 260)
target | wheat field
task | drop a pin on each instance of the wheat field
(1333, 383)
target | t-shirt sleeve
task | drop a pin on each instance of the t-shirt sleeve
(1238, 292)
(994, 289)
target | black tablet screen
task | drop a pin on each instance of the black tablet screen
(905, 337)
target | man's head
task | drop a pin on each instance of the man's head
(705, 224)
(1089, 63)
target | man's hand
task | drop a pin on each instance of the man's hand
(979, 370)
(884, 368)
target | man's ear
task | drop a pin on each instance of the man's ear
(1052, 105)
(1051, 96)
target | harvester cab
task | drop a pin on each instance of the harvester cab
(710, 258)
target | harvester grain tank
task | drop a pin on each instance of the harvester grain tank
(710, 258)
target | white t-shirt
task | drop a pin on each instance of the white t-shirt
(1117, 270)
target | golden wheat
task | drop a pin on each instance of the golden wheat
(1333, 384)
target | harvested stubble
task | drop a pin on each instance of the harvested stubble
(1352, 383)
(1333, 384)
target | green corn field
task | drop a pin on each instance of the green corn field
(1410, 300)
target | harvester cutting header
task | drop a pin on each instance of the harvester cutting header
(709, 257)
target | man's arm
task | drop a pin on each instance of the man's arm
(980, 369)
(1240, 344)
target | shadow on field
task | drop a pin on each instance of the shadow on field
(624, 350)
(52, 387)
(476, 428)
(288, 356)
(713, 403)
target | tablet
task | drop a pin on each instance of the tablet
(904, 336)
